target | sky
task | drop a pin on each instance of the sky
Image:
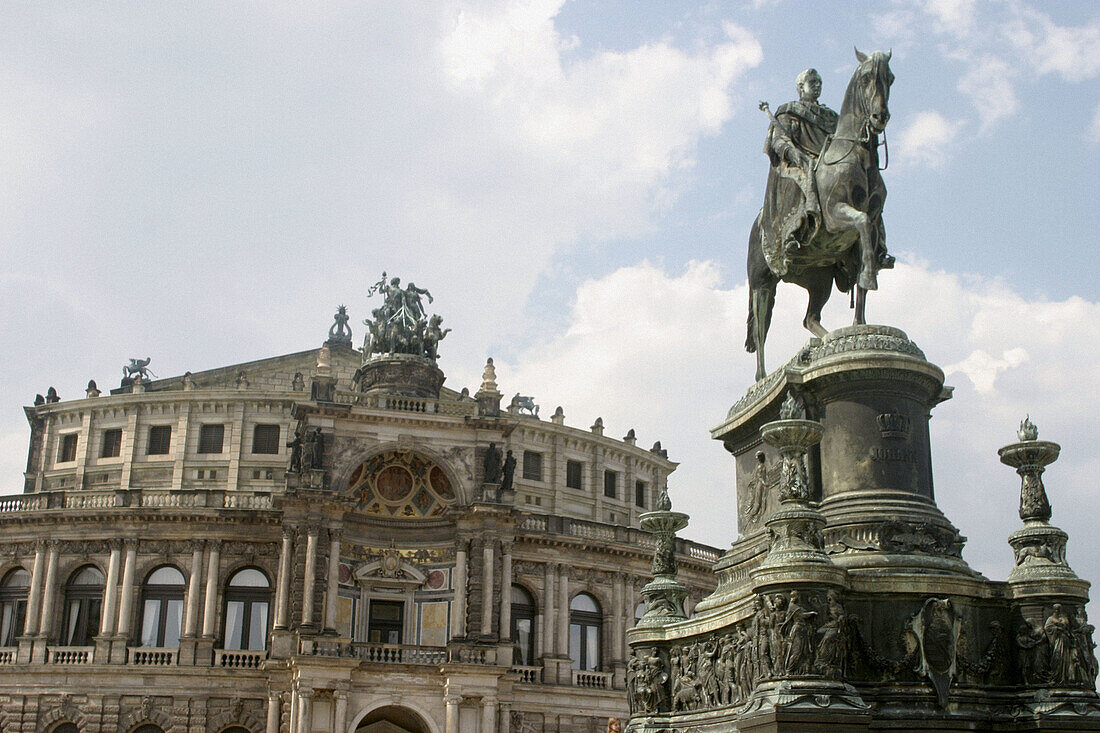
(203, 184)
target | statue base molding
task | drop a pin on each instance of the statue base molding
(399, 375)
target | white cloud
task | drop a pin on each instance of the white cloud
(1071, 52)
(925, 140)
(662, 353)
(989, 85)
(952, 16)
(982, 369)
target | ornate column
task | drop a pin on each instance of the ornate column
(563, 610)
(506, 590)
(664, 595)
(451, 703)
(282, 591)
(488, 714)
(274, 711)
(126, 596)
(209, 611)
(305, 710)
(332, 589)
(487, 588)
(1040, 547)
(49, 590)
(34, 596)
(340, 716)
(548, 618)
(504, 725)
(458, 610)
(109, 616)
(618, 610)
(191, 619)
(310, 575)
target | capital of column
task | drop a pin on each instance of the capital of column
(115, 543)
(53, 544)
(196, 545)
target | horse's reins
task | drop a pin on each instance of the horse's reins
(861, 140)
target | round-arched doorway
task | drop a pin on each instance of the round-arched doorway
(392, 719)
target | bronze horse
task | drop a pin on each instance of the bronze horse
(845, 247)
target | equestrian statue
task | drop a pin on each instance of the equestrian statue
(821, 222)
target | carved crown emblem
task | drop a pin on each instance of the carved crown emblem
(893, 425)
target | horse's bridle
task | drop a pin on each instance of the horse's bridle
(862, 140)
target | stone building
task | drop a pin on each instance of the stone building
(323, 541)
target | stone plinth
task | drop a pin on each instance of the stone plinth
(872, 391)
(404, 375)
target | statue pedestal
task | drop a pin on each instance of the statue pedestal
(400, 375)
(872, 390)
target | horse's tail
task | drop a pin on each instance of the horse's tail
(750, 339)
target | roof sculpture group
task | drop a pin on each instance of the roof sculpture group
(821, 222)
(401, 325)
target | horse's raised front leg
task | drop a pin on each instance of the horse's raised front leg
(846, 214)
(861, 306)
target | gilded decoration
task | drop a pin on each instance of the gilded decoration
(401, 484)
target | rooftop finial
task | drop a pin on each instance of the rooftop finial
(339, 334)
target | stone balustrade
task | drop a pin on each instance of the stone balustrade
(595, 680)
(399, 653)
(7, 655)
(239, 658)
(70, 654)
(528, 675)
(129, 498)
(143, 656)
(424, 405)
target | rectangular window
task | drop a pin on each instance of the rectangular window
(265, 439)
(67, 450)
(610, 484)
(574, 475)
(112, 443)
(532, 465)
(211, 436)
(639, 493)
(160, 440)
(385, 621)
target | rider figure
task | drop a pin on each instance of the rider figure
(798, 134)
(796, 140)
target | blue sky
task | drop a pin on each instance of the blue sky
(574, 181)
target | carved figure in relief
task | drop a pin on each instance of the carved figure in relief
(756, 497)
(1032, 658)
(1087, 667)
(777, 613)
(1059, 635)
(798, 629)
(833, 646)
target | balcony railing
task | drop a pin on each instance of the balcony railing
(595, 680)
(590, 530)
(529, 675)
(70, 654)
(421, 405)
(400, 653)
(239, 658)
(150, 656)
(7, 655)
(158, 498)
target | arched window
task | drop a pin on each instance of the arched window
(585, 621)
(523, 627)
(149, 728)
(66, 728)
(247, 599)
(236, 729)
(162, 607)
(639, 611)
(83, 604)
(13, 605)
